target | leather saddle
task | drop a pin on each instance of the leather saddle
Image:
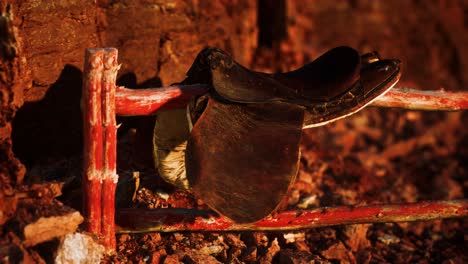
(243, 151)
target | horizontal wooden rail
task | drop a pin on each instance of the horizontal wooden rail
(412, 99)
(133, 102)
(99, 176)
(176, 219)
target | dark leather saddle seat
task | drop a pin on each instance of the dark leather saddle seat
(243, 151)
(337, 82)
(323, 79)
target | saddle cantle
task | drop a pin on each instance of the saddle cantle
(243, 151)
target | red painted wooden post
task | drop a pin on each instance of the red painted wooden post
(100, 133)
(93, 139)
(110, 176)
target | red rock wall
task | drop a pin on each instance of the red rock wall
(430, 37)
(14, 76)
(157, 42)
(42, 52)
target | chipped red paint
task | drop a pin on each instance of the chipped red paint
(93, 139)
(110, 148)
(131, 102)
(367, 214)
(423, 100)
(108, 214)
(172, 220)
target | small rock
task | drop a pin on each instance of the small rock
(388, 239)
(79, 248)
(49, 227)
(234, 241)
(211, 250)
(197, 258)
(178, 237)
(308, 201)
(293, 237)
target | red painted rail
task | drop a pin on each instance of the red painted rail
(423, 100)
(130, 102)
(176, 219)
